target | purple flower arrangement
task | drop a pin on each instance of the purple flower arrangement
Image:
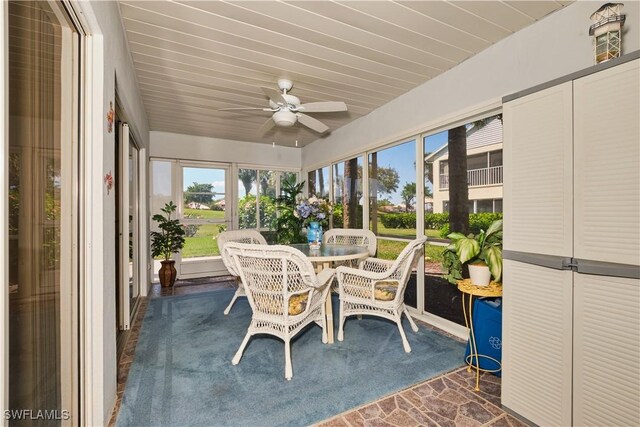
(313, 210)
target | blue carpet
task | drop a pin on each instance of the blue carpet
(182, 373)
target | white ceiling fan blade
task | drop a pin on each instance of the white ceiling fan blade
(274, 95)
(243, 108)
(266, 126)
(312, 123)
(323, 107)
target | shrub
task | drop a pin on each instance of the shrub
(338, 219)
(435, 221)
(398, 220)
(247, 211)
(477, 222)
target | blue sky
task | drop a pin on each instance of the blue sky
(402, 159)
(204, 176)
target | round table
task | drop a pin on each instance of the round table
(322, 258)
(494, 289)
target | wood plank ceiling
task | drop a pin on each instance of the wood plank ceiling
(194, 57)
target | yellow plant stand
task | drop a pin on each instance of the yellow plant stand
(494, 289)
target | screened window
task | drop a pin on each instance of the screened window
(318, 183)
(347, 193)
(392, 195)
(257, 193)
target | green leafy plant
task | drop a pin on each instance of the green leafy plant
(482, 248)
(287, 227)
(170, 238)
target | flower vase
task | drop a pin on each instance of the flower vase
(314, 234)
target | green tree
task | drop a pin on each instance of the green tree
(427, 192)
(388, 180)
(384, 202)
(408, 194)
(267, 183)
(199, 193)
(248, 177)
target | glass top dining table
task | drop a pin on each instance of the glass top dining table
(328, 253)
(322, 258)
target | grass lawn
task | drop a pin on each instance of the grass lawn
(409, 233)
(205, 214)
(203, 243)
(390, 249)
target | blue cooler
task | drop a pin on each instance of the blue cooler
(487, 327)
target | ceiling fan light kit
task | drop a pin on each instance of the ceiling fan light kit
(284, 118)
(287, 109)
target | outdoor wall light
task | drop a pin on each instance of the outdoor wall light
(607, 31)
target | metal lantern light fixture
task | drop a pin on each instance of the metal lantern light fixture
(607, 31)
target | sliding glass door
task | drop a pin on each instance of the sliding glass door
(128, 289)
(43, 81)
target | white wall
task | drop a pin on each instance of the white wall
(556, 46)
(189, 147)
(111, 49)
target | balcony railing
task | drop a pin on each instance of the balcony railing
(477, 177)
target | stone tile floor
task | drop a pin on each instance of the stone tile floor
(447, 400)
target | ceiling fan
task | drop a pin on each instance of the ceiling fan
(287, 109)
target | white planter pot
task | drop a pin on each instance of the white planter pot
(480, 275)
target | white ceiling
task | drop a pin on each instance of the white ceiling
(194, 57)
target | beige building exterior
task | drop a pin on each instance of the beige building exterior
(484, 170)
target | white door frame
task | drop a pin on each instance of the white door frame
(124, 312)
(207, 265)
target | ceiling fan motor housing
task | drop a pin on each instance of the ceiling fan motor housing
(292, 100)
(284, 118)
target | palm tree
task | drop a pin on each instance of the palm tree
(247, 176)
(349, 194)
(458, 185)
(266, 178)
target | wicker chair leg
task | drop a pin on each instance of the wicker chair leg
(405, 343)
(323, 325)
(341, 325)
(233, 300)
(288, 370)
(238, 356)
(411, 321)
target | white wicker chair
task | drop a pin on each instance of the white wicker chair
(377, 288)
(346, 236)
(283, 291)
(239, 236)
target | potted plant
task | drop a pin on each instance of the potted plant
(167, 241)
(482, 253)
(285, 224)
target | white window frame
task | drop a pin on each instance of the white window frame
(258, 168)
